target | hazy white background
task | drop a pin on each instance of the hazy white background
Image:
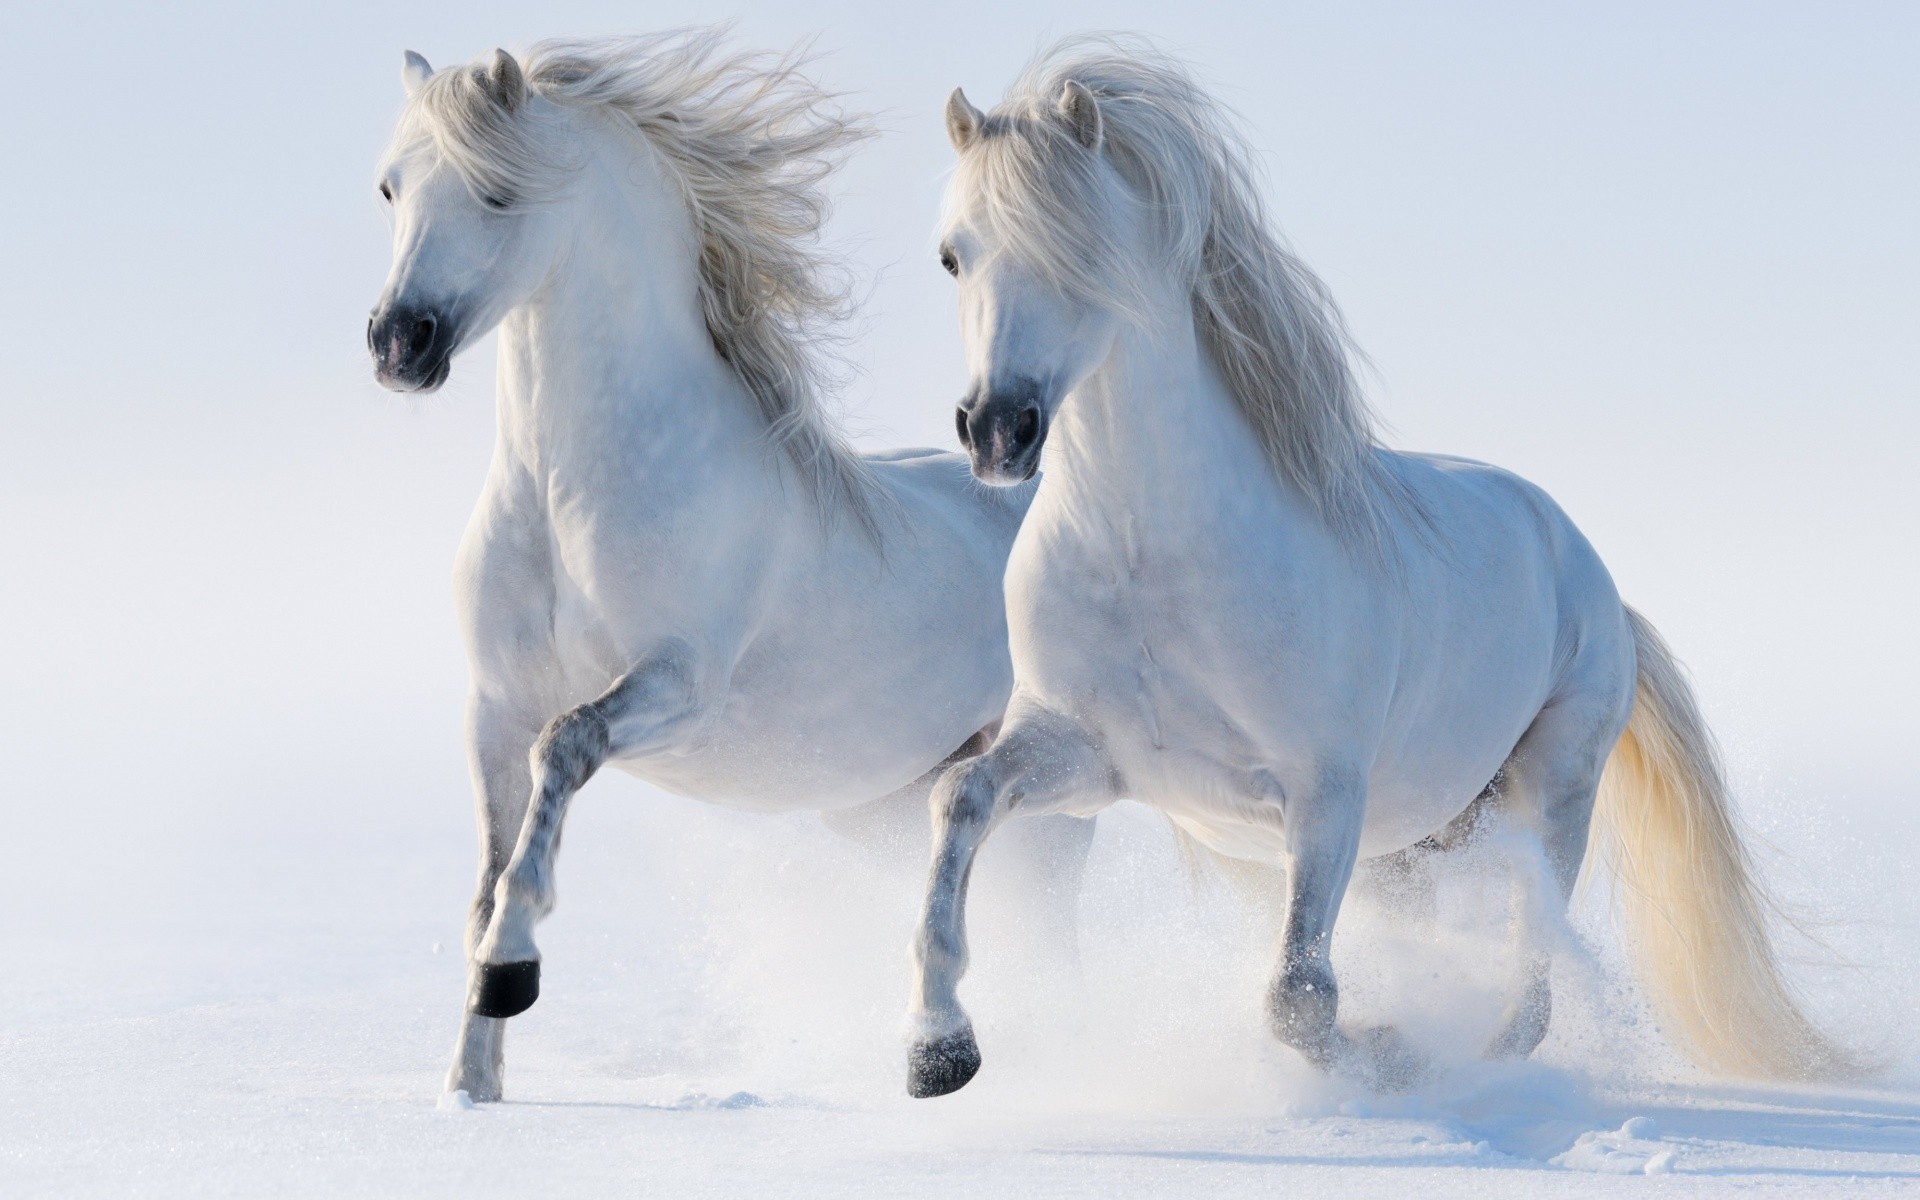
(1660, 258)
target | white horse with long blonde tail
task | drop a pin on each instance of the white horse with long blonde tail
(676, 566)
(1229, 602)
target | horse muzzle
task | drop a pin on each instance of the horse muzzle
(1003, 432)
(412, 347)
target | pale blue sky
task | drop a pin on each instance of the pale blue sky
(1660, 258)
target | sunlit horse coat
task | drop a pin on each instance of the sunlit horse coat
(1230, 603)
(676, 565)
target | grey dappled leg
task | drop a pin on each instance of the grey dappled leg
(497, 746)
(1044, 859)
(1548, 785)
(1035, 765)
(638, 714)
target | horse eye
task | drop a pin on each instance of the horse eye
(386, 193)
(498, 203)
(951, 263)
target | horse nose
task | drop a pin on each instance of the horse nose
(1008, 430)
(421, 335)
(1002, 434)
(410, 353)
(1026, 427)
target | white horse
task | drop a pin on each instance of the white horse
(1229, 602)
(676, 565)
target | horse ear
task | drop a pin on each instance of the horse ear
(504, 82)
(415, 73)
(963, 120)
(1081, 112)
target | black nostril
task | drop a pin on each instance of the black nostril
(1027, 427)
(371, 344)
(422, 335)
(960, 426)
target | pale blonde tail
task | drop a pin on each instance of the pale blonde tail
(1695, 915)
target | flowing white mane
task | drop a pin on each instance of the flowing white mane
(750, 140)
(1270, 324)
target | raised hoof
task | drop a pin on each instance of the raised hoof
(504, 989)
(942, 1065)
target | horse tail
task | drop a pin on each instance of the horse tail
(1696, 914)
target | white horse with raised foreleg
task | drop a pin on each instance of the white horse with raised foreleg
(676, 566)
(1229, 602)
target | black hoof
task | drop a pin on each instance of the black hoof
(504, 989)
(943, 1065)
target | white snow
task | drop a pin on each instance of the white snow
(722, 1017)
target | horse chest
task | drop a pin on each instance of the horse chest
(1117, 632)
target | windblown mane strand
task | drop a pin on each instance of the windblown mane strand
(1274, 331)
(751, 140)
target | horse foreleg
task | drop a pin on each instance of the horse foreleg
(1321, 822)
(641, 713)
(497, 744)
(1038, 764)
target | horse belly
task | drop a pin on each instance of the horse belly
(852, 688)
(1454, 725)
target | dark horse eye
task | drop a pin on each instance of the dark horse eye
(498, 203)
(951, 263)
(386, 193)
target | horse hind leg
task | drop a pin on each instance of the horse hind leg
(1548, 786)
(1406, 880)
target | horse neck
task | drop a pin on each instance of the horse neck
(611, 358)
(1154, 430)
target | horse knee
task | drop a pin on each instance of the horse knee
(964, 797)
(571, 747)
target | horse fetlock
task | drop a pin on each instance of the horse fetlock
(1301, 1007)
(480, 1080)
(509, 936)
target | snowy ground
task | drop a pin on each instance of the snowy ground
(269, 1013)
